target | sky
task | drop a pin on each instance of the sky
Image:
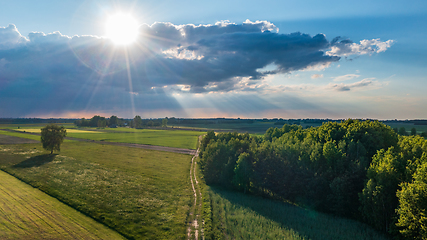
(195, 59)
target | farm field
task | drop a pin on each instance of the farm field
(16, 126)
(142, 194)
(259, 127)
(166, 138)
(24, 135)
(28, 213)
(408, 126)
(241, 216)
(20, 135)
(256, 127)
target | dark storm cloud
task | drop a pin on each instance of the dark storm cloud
(50, 69)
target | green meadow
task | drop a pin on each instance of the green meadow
(21, 135)
(28, 213)
(142, 194)
(146, 194)
(166, 138)
(24, 135)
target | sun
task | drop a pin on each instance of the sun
(121, 28)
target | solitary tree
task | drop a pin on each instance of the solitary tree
(413, 131)
(164, 122)
(137, 121)
(52, 136)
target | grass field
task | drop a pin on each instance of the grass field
(142, 194)
(69, 130)
(234, 215)
(28, 213)
(259, 127)
(409, 126)
(166, 138)
(256, 127)
(16, 126)
(24, 135)
(21, 135)
(240, 216)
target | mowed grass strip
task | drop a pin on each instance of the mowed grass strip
(241, 216)
(28, 213)
(21, 135)
(166, 138)
(142, 194)
(24, 135)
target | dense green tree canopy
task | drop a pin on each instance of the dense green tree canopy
(52, 137)
(358, 169)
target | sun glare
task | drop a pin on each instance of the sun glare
(121, 28)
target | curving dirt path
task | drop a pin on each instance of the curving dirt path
(193, 224)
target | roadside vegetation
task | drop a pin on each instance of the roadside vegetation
(28, 213)
(141, 194)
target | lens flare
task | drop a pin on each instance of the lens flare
(121, 28)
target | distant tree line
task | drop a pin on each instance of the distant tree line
(138, 122)
(114, 121)
(101, 122)
(402, 131)
(357, 169)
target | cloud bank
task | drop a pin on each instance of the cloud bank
(53, 68)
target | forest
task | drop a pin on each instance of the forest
(362, 170)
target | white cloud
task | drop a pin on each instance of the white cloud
(363, 84)
(347, 48)
(50, 69)
(10, 37)
(314, 76)
(345, 77)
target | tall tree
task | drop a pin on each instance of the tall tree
(164, 122)
(114, 120)
(243, 172)
(52, 136)
(412, 211)
(137, 121)
(378, 198)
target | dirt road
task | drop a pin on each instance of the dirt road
(195, 225)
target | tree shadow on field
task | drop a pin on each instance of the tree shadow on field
(309, 224)
(36, 161)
